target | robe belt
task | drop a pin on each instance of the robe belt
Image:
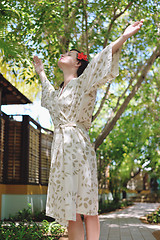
(60, 137)
(70, 124)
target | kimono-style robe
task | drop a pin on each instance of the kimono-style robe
(73, 186)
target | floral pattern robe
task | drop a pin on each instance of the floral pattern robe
(73, 186)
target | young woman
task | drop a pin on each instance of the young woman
(73, 186)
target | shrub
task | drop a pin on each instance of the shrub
(30, 231)
(154, 217)
(109, 206)
(27, 215)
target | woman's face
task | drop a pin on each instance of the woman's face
(68, 59)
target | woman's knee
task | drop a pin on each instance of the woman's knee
(92, 217)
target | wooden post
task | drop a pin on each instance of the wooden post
(25, 150)
(1, 160)
(0, 105)
(39, 128)
(6, 150)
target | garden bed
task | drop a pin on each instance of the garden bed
(31, 230)
(152, 218)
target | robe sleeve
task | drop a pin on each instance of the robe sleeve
(102, 69)
(47, 94)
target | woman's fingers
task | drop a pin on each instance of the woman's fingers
(135, 23)
(138, 23)
(133, 28)
(36, 59)
(38, 65)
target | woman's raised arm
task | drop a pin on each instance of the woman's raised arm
(39, 68)
(130, 31)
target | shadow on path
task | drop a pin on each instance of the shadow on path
(125, 224)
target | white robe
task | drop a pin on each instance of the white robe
(73, 185)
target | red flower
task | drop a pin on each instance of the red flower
(82, 56)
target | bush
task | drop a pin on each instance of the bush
(154, 217)
(27, 215)
(54, 229)
(109, 206)
(30, 231)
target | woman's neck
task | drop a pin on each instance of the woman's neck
(68, 77)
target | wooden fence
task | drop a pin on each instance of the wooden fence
(25, 151)
(2, 129)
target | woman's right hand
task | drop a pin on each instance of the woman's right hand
(38, 65)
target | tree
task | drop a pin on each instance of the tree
(14, 64)
(48, 28)
(133, 144)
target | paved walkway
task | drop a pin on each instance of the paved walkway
(125, 224)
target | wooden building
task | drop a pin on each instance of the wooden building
(24, 156)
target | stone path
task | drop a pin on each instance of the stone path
(125, 224)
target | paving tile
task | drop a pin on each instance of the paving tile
(125, 224)
(104, 230)
(147, 235)
(136, 234)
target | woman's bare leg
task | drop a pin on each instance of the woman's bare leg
(75, 229)
(92, 227)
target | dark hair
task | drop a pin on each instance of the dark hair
(81, 68)
(84, 63)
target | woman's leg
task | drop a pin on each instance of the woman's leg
(75, 229)
(92, 227)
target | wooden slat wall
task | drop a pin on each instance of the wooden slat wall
(14, 154)
(31, 166)
(34, 154)
(46, 142)
(2, 139)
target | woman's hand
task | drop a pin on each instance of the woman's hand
(38, 65)
(132, 29)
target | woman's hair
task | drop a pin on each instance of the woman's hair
(84, 63)
(81, 68)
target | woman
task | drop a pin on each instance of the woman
(73, 187)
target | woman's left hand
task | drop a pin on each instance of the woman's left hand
(132, 29)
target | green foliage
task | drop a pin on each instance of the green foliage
(55, 229)
(133, 144)
(48, 28)
(154, 217)
(27, 215)
(30, 231)
(20, 231)
(109, 206)
(27, 228)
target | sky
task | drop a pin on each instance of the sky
(34, 110)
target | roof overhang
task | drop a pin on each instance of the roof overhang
(10, 94)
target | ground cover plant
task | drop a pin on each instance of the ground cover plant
(28, 225)
(154, 217)
(28, 215)
(30, 230)
(109, 206)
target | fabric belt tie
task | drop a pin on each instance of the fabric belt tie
(61, 135)
(70, 124)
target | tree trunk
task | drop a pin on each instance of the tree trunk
(109, 126)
